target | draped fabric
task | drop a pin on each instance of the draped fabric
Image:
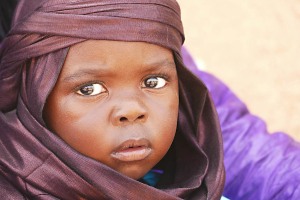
(259, 165)
(34, 162)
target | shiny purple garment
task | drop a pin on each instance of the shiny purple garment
(259, 165)
(36, 164)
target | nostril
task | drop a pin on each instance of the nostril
(123, 119)
(141, 116)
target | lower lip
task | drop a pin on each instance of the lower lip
(132, 154)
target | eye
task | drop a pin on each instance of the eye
(91, 89)
(154, 82)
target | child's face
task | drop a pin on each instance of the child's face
(116, 102)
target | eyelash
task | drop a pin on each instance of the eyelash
(160, 75)
(80, 87)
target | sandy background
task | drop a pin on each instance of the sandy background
(254, 47)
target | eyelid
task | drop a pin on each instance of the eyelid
(160, 75)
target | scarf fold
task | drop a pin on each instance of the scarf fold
(31, 59)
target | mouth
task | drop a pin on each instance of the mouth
(132, 150)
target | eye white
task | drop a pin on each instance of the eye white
(91, 89)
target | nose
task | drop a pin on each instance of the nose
(128, 111)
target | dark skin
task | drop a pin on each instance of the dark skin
(116, 102)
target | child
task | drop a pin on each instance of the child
(97, 104)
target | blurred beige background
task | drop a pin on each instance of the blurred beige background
(254, 47)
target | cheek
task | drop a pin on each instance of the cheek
(77, 124)
(165, 115)
(88, 135)
(90, 140)
(68, 109)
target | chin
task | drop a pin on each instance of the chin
(135, 172)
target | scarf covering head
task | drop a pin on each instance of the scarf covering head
(37, 162)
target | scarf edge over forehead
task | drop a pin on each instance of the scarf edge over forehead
(40, 34)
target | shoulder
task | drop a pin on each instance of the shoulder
(8, 190)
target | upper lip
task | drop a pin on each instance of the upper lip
(132, 143)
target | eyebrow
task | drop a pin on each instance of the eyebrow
(81, 73)
(166, 63)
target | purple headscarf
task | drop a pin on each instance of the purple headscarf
(36, 162)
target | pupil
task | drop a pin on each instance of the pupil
(151, 82)
(86, 90)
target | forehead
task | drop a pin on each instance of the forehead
(106, 49)
(108, 55)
